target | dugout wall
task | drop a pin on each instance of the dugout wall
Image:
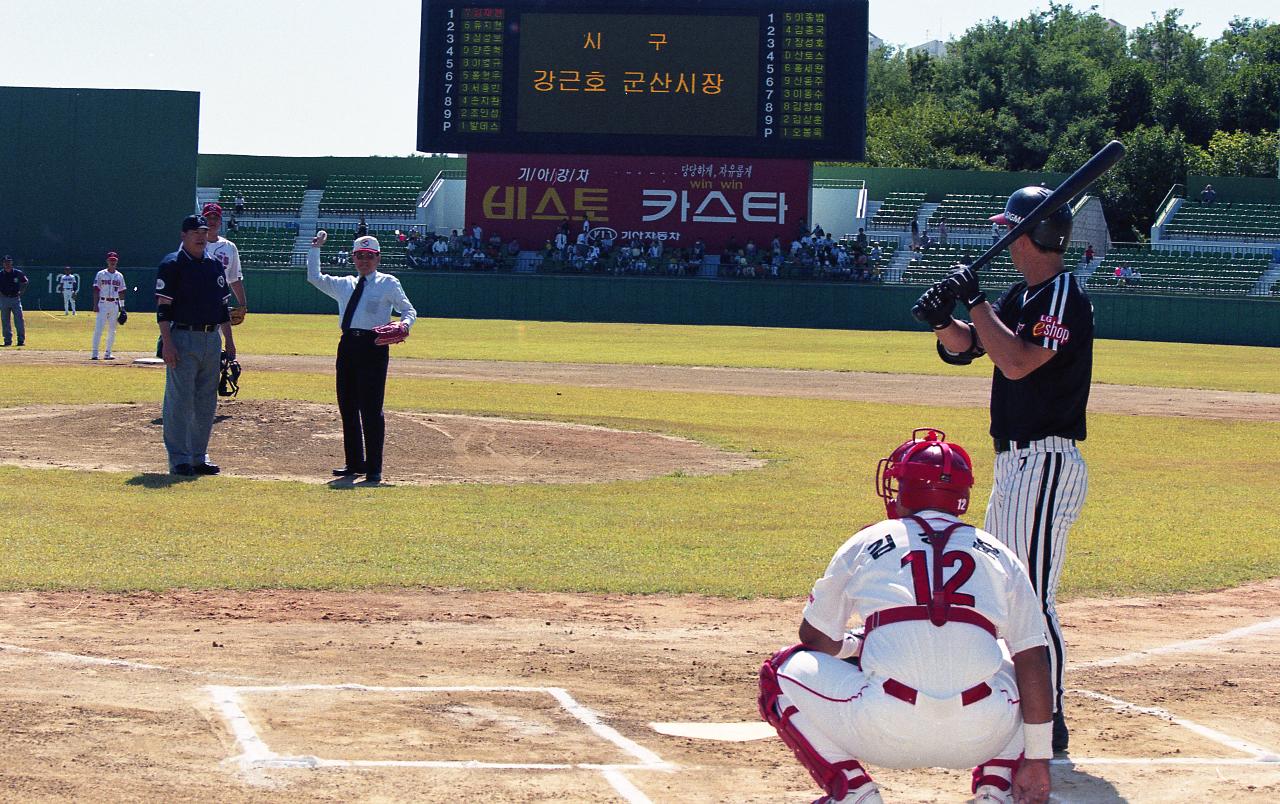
(86, 171)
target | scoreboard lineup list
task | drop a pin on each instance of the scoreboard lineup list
(717, 77)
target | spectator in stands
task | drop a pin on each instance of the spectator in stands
(401, 237)
(942, 231)
(915, 236)
(1119, 274)
(925, 242)
(1208, 195)
(440, 251)
(240, 203)
(861, 239)
(477, 235)
(1126, 275)
(875, 255)
(1088, 255)
(362, 230)
(562, 241)
(995, 233)
(233, 224)
(513, 248)
(1135, 276)
(802, 229)
(342, 257)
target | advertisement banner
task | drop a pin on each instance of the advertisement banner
(673, 199)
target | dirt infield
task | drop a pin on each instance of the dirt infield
(446, 695)
(845, 385)
(303, 441)
(108, 698)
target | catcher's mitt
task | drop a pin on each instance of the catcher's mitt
(122, 318)
(390, 333)
(237, 315)
(229, 382)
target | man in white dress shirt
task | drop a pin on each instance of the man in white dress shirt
(363, 304)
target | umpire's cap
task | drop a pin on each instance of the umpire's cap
(1053, 233)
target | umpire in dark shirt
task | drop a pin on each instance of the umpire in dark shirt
(12, 283)
(191, 307)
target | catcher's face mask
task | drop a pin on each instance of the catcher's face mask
(229, 382)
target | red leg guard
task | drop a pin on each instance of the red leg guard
(981, 777)
(836, 778)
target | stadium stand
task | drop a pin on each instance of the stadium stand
(1224, 220)
(967, 213)
(934, 264)
(1191, 272)
(264, 246)
(264, 193)
(381, 196)
(897, 211)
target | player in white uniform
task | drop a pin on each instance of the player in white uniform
(108, 301)
(225, 252)
(925, 681)
(69, 284)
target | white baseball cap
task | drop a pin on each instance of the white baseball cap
(366, 243)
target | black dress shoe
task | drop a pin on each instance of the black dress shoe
(206, 468)
(1060, 735)
(373, 477)
(346, 471)
(184, 469)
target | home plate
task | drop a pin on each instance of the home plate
(725, 732)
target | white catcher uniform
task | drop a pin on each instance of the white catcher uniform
(110, 286)
(925, 695)
(69, 284)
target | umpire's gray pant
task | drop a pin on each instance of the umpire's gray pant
(191, 396)
(11, 306)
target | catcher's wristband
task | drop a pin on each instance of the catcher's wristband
(1039, 740)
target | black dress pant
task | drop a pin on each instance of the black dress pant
(362, 382)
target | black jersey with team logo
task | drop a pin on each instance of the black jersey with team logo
(197, 289)
(1051, 400)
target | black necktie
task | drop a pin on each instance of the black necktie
(351, 305)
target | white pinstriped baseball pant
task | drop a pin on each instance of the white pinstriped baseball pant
(1036, 498)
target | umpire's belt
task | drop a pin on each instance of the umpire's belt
(110, 300)
(195, 327)
(1048, 444)
(904, 693)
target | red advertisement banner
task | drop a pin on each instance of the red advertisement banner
(673, 199)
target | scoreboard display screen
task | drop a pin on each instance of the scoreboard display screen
(744, 78)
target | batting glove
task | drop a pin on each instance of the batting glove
(963, 283)
(935, 305)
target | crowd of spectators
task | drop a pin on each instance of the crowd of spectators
(808, 254)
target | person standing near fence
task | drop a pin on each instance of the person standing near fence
(108, 301)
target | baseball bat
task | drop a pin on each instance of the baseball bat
(1065, 193)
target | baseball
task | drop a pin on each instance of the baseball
(321, 236)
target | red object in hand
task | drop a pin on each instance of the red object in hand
(390, 333)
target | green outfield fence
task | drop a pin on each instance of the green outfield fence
(1125, 316)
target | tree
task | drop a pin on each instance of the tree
(1155, 160)
(1236, 153)
(1171, 48)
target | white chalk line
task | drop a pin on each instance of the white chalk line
(124, 664)
(255, 754)
(1178, 647)
(1235, 743)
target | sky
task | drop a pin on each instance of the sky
(327, 78)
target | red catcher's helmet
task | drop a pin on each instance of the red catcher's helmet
(926, 472)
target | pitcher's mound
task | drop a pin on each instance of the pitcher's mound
(277, 440)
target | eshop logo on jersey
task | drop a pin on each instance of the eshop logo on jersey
(1050, 327)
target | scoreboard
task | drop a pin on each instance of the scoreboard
(741, 78)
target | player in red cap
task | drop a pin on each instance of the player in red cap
(225, 252)
(949, 668)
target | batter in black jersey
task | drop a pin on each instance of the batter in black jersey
(1039, 334)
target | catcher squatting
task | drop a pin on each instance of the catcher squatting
(925, 681)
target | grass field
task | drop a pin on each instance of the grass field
(1172, 505)
(1169, 365)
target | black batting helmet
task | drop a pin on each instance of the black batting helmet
(1052, 233)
